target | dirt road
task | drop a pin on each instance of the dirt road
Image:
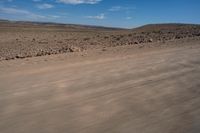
(153, 92)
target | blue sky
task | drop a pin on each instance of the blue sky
(114, 13)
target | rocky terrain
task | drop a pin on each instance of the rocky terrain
(26, 39)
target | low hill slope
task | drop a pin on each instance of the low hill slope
(29, 39)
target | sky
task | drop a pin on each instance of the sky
(109, 13)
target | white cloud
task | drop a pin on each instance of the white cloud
(13, 11)
(128, 18)
(99, 17)
(27, 15)
(54, 16)
(45, 6)
(24, 13)
(75, 2)
(120, 8)
(115, 8)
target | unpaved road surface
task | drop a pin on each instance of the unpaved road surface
(151, 92)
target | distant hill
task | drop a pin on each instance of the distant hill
(145, 28)
(166, 27)
(57, 25)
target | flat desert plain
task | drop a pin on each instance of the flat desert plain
(149, 87)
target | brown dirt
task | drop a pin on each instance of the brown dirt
(122, 89)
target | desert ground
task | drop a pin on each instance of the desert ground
(25, 40)
(99, 80)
